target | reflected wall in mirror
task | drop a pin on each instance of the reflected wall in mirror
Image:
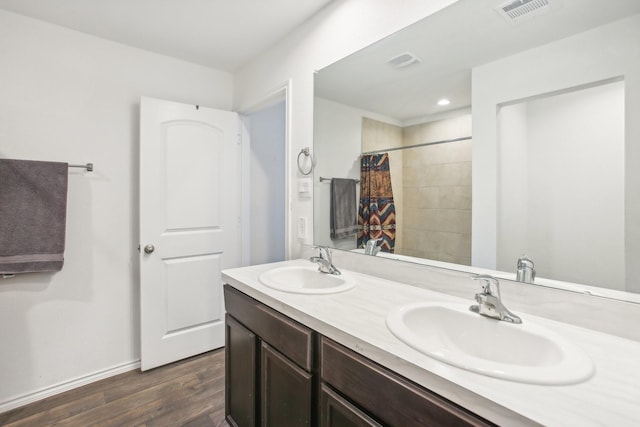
(556, 214)
(549, 166)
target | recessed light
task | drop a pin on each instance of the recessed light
(444, 101)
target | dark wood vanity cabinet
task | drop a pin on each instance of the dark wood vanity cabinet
(268, 366)
(273, 379)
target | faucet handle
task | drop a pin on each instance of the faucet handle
(488, 280)
(525, 262)
(373, 246)
(324, 252)
(525, 271)
(325, 264)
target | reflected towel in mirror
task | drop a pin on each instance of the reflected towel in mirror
(343, 208)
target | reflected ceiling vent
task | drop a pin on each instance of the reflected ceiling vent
(520, 10)
(404, 60)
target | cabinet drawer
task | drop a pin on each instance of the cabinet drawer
(288, 336)
(372, 388)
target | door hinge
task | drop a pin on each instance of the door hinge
(239, 139)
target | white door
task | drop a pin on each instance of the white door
(189, 226)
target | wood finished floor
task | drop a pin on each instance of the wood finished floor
(186, 393)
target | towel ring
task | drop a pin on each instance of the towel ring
(306, 153)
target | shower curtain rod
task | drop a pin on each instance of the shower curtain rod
(424, 144)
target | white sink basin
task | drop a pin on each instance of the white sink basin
(526, 353)
(306, 280)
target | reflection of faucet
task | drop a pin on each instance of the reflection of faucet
(490, 303)
(324, 261)
(373, 246)
(525, 273)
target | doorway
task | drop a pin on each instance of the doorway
(265, 163)
(267, 181)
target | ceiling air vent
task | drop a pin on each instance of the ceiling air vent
(404, 60)
(520, 10)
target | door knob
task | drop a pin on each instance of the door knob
(149, 248)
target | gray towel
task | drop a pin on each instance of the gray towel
(343, 210)
(33, 211)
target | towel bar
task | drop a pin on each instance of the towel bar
(88, 166)
(322, 179)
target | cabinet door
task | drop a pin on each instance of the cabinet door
(337, 412)
(286, 390)
(240, 374)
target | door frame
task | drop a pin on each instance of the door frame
(281, 93)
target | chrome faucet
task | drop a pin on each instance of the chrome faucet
(324, 261)
(490, 302)
(373, 246)
(525, 272)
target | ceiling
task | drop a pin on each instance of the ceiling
(221, 34)
(450, 43)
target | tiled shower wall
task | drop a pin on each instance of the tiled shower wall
(437, 188)
(431, 186)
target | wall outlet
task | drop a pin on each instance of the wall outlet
(302, 227)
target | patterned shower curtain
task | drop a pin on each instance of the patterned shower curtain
(376, 210)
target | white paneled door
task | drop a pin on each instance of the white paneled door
(189, 226)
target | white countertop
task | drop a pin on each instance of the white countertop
(356, 319)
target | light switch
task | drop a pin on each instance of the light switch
(304, 187)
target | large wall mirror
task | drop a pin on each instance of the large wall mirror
(504, 131)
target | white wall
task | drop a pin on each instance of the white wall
(596, 55)
(65, 96)
(267, 178)
(562, 181)
(337, 146)
(340, 29)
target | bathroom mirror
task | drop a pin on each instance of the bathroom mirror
(535, 153)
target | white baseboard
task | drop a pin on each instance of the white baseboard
(67, 385)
